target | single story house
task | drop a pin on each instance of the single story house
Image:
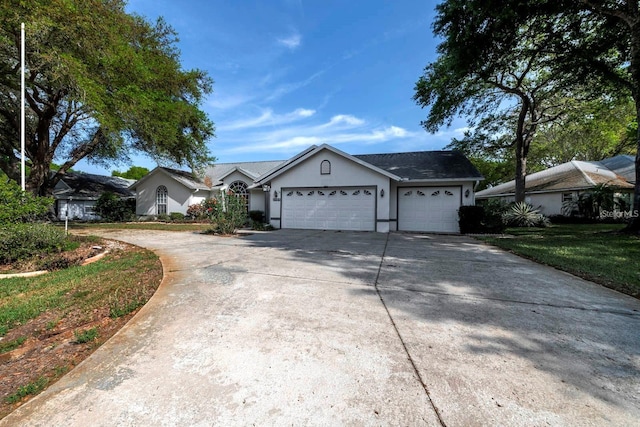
(551, 188)
(76, 194)
(327, 189)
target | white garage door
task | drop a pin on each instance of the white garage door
(329, 208)
(429, 209)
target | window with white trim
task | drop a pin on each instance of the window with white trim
(162, 195)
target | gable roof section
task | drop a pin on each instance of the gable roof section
(183, 177)
(217, 172)
(573, 175)
(425, 165)
(304, 155)
(90, 186)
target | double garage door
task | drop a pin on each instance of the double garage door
(428, 209)
(339, 208)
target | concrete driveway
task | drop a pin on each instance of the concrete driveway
(345, 328)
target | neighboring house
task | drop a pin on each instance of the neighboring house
(327, 189)
(550, 188)
(76, 194)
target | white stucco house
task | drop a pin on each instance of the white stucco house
(550, 188)
(325, 188)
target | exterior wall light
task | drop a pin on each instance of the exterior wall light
(382, 193)
(466, 193)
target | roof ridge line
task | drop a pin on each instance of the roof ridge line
(584, 174)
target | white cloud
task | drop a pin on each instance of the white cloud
(345, 119)
(267, 118)
(302, 132)
(291, 42)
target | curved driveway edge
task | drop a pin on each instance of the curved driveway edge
(329, 328)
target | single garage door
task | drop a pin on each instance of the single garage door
(429, 209)
(329, 208)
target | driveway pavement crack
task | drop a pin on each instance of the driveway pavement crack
(404, 346)
(629, 313)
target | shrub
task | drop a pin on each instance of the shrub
(522, 214)
(163, 218)
(486, 218)
(176, 216)
(115, 209)
(196, 211)
(226, 212)
(470, 219)
(256, 216)
(19, 206)
(22, 241)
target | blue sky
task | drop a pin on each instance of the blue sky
(291, 73)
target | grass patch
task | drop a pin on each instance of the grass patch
(75, 299)
(86, 335)
(81, 289)
(199, 226)
(597, 252)
(7, 346)
(32, 388)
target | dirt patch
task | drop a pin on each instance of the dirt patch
(47, 345)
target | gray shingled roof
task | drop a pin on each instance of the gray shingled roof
(254, 169)
(89, 186)
(185, 178)
(424, 165)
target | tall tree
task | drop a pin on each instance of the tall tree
(134, 172)
(602, 38)
(101, 84)
(598, 129)
(497, 72)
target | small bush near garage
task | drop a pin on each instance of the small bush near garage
(112, 208)
(257, 216)
(226, 212)
(481, 219)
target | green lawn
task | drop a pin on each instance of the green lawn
(163, 226)
(593, 251)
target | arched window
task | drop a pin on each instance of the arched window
(325, 167)
(161, 200)
(239, 189)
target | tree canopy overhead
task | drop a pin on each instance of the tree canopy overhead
(592, 47)
(100, 84)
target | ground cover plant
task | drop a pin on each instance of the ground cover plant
(50, 323)
(597, 252)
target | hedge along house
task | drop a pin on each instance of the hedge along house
(327, 189)
(76, 194)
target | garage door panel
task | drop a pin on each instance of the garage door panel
(429, 209)
(329, 209)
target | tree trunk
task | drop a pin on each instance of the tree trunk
(521, 153)
(634, 225)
